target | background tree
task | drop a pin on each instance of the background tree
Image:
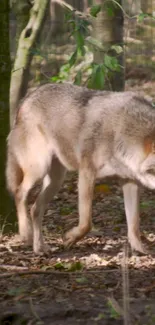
(21, 10)
(28, 37)
(108, 29)
(5, 72)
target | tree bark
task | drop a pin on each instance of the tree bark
(6, 207)
(21, 9)
(147, 6)
(108, 29)
(19, 79)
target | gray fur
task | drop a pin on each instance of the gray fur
(65, 127)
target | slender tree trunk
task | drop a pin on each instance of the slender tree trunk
(108, 29)
(19, 77)
(6, 214)
(21, 9)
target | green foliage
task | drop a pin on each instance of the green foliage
(71, 267)
(78, 78)
(113, 311)
(94, 10)
(95, 43)
(80, 27)
(143, 15)
(111, 63)
(97, 78)
(82, 280)
(109, 7)
(98, 73)
(117, 48)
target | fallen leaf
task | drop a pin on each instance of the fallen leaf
(102, 188)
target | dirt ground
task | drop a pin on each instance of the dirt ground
(92, 283)
(83, 285)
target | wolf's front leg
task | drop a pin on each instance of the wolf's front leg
(131, 203)
(85, 190)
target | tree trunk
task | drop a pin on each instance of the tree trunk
(147, 6)
(108, 29)
(6, 214)
(19, 77)
(21, 9)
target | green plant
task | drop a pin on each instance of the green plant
(84, 43)
(93, 75)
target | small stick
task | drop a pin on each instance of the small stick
(37, 272)
(35, 315)
(125, 276)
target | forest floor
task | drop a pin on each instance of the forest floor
(86, 284)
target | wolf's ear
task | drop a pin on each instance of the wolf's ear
(149, 146)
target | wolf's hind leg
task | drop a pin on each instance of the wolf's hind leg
(51, 185)
(24, 222)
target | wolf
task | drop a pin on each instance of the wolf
(60, 127)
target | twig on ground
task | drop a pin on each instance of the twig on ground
(35, 315)
(13, 267)
(125, 277)
(115, 305)
(53, 272)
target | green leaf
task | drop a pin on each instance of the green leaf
(73, 59)
(111, 63)
(96, 43)
(59, 266)
(94, 10)
(72, 267)
(78, 78)
(75, 266)
(65, 68)
(54, 78)
(117, 48)
(46, 267)
(81, 280)
(100, 316)
(81, 51)
(79, 39)
(141, 17)
(97, 79)
(109, 9)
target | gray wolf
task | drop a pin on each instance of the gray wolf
(62, 127)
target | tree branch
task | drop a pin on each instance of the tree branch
(24, 56)
(64, 4)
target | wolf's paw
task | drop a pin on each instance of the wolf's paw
(71, 237)
(41, 249)
(26, 239)
(137, 245)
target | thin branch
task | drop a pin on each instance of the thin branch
(38, 272)
(125, 276)
(34, 313)
(125, 14)
(114, 303)
(70, 7)
(13, 267)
